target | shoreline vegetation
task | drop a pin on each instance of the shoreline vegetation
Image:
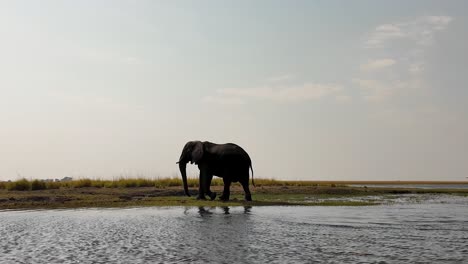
(131, 192)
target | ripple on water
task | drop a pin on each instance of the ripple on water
(426, 232)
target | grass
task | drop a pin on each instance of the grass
(27, 185)
(91, 199)
(122, 192)
(19, 185)
(38, 185)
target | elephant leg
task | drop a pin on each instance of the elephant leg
(226, 191)
(205, 184)
(201, 192)
(208, 179)
(245, 185)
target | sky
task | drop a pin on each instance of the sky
(312, 90)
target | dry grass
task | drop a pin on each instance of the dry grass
(19, 185)
(123, 182)
(28, 185)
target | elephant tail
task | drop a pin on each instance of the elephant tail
(251, 168)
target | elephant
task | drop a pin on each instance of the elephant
(228, 161)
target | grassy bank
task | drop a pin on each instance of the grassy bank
(32, 185)
(25, 194)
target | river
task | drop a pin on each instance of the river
(431, 230)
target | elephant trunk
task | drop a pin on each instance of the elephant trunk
(183, 171)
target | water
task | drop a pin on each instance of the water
(432, 231)
(417, 186)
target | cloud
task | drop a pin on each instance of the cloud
(384, 33)
(94, 102)
(416, 68)
(223, 100)
(383, 79)
(289, 94)
(377, 64)
(439, 22)
(281, 78)
(373, 90)
(343, 98)
(420, 30)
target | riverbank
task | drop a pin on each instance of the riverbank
(281, 193)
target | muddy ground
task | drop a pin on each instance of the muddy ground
(174, 196)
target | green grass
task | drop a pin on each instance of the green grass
(85, 193)
(81, 200)
(124, 192)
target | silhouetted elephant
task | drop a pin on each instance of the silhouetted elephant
(228, 161)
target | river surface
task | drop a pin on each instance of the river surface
(417, 186)
(433, 230)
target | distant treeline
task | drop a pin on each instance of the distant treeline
(32, 185)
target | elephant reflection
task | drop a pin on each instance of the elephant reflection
(203, 212)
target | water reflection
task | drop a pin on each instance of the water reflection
(427, 233)
(204, 212)
(207, 211)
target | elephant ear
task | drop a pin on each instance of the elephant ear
(197, 152)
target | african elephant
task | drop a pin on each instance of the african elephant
(228, 161)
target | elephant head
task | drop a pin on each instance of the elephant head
(193, 153)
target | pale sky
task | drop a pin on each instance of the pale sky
(313, 90)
